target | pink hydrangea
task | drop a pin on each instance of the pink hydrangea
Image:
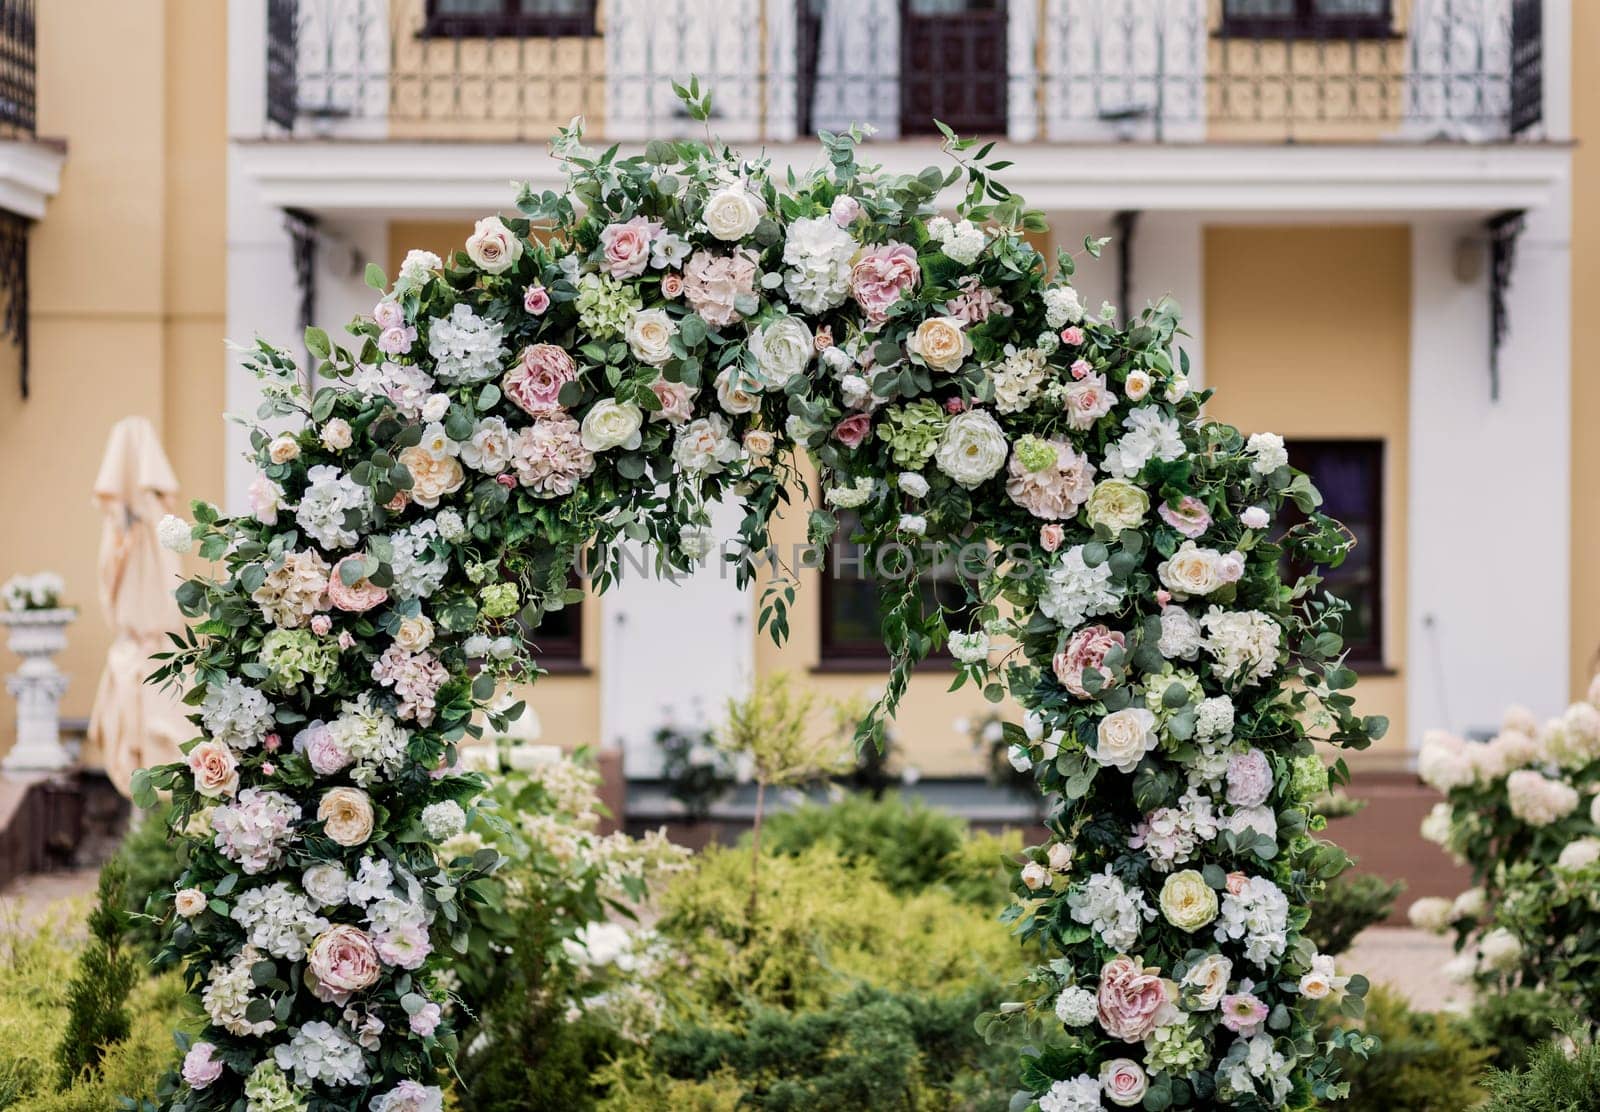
(254, 829)
(976, 302)
(712, 284)
(416, 679)
(425, 1020)
(549, 456)
(1054, 492)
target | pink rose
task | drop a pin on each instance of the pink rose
(388, 314)
(536, 299)
(357, 597)
(1088, 400)
(1243, 1013)
(1255, 517)
(1249, 778)
(853, 429)
(535, 383)
(321, 749)
(1163, 596)
(1124, 1082)
(341, 962)
(346, 639)
(426, 1020)
(215, 769)
(320, 624)
(1237, 883)
(397, 340)
(271, 742)
(1188, 516)
(823, 338)
(844, 210)
(626, 247)
(1081, 368)
(677, 401)
(671, 284)
(1230, 568)
(1051, 536)
(200, 1067)
(1087, 648)
(1133, 999)
(880, 276)
(1072, 335)
(955, 405)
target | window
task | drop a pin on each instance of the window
(953, 66)
(558, 640)
(1308, 18)
(510, 18)
(852, 635)
(1349, 473)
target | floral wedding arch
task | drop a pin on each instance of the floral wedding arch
(688, 323)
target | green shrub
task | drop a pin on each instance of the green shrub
(552, 1064)
(153, 864)
(1425, 1063)
(1560, 1077)
(909, 845)
(1350, 904)
(1514, 1025)
(97, 996)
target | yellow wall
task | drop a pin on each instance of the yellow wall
(1585, 343)
(127, 286)
(1308, 334)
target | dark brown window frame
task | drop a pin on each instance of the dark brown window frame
(509, 23)
(1369, 656)
(1307, 22)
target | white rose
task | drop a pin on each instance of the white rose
(733, 213)
(782, 349)
(1035, 876)
(972, 448)
(913, 484)
(328, 884)
(414, 634)
(1322, 981)
(1060, 855)
(1191, 571)
(914, 524)
(492, 247)
(189, 902)
(1124, 737)
(759, 444)
(1137, 385)
(649, 335)
(734, 394)
(1208, 981)
(283, 448)
(611, 424)
(336, 435)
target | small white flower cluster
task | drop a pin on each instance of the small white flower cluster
(443, 820)
(228, 992)
(1110, 908)
(278, 919)
(1259, 914)
(1538, 800)
(1080, 1094)
(1180, 634)
(1076, 1006)
(1074, 591)
(330, 497)
(235, 714)
(40, 591)
(1062, 306)
(1017, 378)
(1269, 452)
(320, 1052)
(465, 347)
(1244, 644)
(970, 648)
(1253, 1067)
(962, 240)
(418, 569)
(1151, 435)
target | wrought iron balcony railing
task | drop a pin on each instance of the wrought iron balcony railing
(1054, 70)
(17, 103)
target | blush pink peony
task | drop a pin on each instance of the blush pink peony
(340, 963)
(1133, 999)
(357, 597)
(1087, 648)
(535, 383)
(880, 275)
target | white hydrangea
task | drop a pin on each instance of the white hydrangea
(1442, 761)
(235, 714)
(174, 535)
(1017, 379)
(465, 347)
(1538, 800)
(817, 253)
(1213, 718)
(228, 993)
(1081, 1094)
(330, 496)
(1076, 1007)
(1258, 914)
(1269, 452)
(1062, 306)
(278, 919)
(1244, 644)
(1074, 591)
(443, 820)
(1254, 1068)
(970, 648)
(406, 385)
(1436, 824)
(321, 1052)
(374, 880)
(1111, 909)
(962, 241)
(1152, 434)
(372, 738)
(1499, 950)
(1180, 634)
(417, 569)
(328, 883)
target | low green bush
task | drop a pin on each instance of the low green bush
(1513, 1025)
(153, 863)
(1426, 1062)
(1561, 1076)
(1350, 904)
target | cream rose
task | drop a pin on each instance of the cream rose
(215, 770)
(1124, 737)
(733, 213)
(611, 424)
(337, 435)
(1123, 1081)
(972, 448)
(283, 448)
(782, 348)
(1191, 571)
(1187, 901)
(941, 343)
(649, 335)
(1206, 983)
(1035, 876)
(432, 477)
(734, 393)
(414, 634)
(492, 246)
(346, 815)
(189, 902)
(1117, 504)
(759, 444)
(1322, 981)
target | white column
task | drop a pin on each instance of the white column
(1489, 502)
(672, 651)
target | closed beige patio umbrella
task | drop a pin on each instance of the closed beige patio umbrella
(135, 724)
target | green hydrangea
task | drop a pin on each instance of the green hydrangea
(268, 1090)
(499, 600)
(293, 656)
(1157, 684)
(1308, 776)
(1035, 453)
(1175, 1049)
(605, 304)
(913, 431)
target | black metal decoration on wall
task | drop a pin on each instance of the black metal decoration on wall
(1126, 223)
(1503, 232)
(18, 90)
(1527, 65)
(14, 285)
(283, 55)
(302, 228)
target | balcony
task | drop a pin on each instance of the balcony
(1080, 71)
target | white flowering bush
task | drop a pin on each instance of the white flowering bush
(689, 324)
(1522, 811)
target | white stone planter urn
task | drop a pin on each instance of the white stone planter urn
(37, 636)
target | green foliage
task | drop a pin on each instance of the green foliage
(908, 845)
(1426, 1062)
(535, 1060)
(696, 772)
(153, 862)
(97, 997)
(1560, 1077)
(1350, 904)
(1515, 1024)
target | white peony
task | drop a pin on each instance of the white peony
(611, 424)
(781, 348)
(972, 448)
